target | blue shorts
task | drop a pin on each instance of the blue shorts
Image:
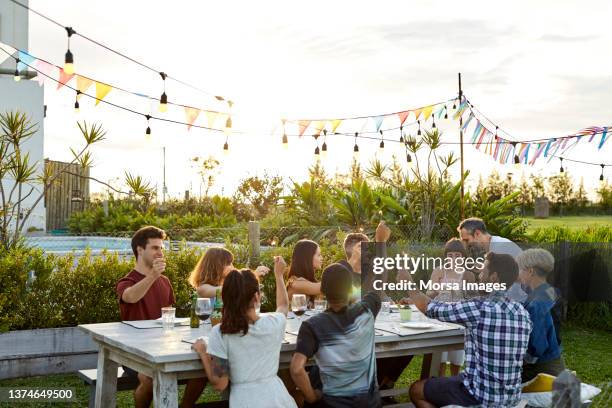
(442, 391)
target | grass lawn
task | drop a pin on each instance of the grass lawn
(587, 351)
(571, 221)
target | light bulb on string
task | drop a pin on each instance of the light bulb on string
(76, 102)
(409, 160)
(445, 112)
(16, 76)
(285, 138)
(401, 134)
(226, 147)
(163, 100)
(228, 122)
(317, 151)
(419, 132)
(324, 150)
(561, 170)
(148, 131)
(69, 58)
(433, 122)
(356, 148)
(454, 104)
(381, 146)
(601, 177)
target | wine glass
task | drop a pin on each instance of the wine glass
(299, 305)
(203, 308)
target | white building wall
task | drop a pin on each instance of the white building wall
(26, 96)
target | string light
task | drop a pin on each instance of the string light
(69, 58)
(356, 148)
(433, 120)
(454, 103)
(601, 177)
(226, 146)
(285, 138)
(76, 102)
(163, 100)
(148, 131)
(317, 151)
(561, 169)
(419, 132)
(381, 146)
(324, 145)
(228, 123)
(445, 111)
(16, 76)
(401, 134)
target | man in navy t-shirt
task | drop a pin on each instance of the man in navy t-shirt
(341, 340)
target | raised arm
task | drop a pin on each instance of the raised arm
(282, 299)
(207, 291)
(305, 287)
(137, 291)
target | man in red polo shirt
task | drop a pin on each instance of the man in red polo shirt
(142, 293)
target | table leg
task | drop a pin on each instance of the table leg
(106, 384)
(165, 390)
(431, 365)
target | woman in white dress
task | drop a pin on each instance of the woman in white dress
(454, 276)
(245, 348)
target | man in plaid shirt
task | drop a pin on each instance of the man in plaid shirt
(496, 338)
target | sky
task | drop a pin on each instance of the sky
(537, 69)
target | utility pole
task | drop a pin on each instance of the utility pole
(461, 150)
(164, 188)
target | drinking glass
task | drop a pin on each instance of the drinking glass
(386, 307)
(168, 315)
(320, 305)
(299, 304)
(204, 308)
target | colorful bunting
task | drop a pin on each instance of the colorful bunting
(102, 90)
(402, 116)
(334, 124)
(303, 125)
(211, 117)
(64, 78)
(191, 114)
(83, 83)
(46, 69)
(378, 121)
(427, 111)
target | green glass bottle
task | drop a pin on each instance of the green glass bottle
(215, 318)
(194, 321)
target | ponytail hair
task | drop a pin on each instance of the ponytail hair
(239, 287)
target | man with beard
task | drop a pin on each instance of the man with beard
(142, 293)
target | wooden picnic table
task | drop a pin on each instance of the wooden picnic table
(166, 356)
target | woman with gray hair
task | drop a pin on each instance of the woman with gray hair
(544, 350)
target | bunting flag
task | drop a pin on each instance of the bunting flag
(334, 124)
(402, 116)
(417, 113)
(45, 68)
(25, 59)
(303, 125)
(467, 122)
(318, 127)
(191, 114)
(211, 117)
(427, 111)
(102, 90)
(83, 83)
(603, 137)
(64, 78)
(378, 121)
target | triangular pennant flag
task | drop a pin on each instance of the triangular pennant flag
(550, 142)
(460, 110)
(603, 138)
(378, 121)
(63, 78)
(402, 116)
(191, 114)
(427, 111)
(477, 129)
(526, 153)
(417, 113)
(25, 60)
(45, 71)
(334, 124)
(467, 122)
(440, 111)
(101, 91)
(83, 83)
(211, 117)
(303, 124)
(318, 126)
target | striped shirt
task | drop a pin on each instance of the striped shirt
(496, 338)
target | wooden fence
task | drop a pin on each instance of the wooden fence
(67, 194)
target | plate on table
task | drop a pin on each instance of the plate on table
(417, 325)
(178, 321)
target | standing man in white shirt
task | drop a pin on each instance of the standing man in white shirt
(473, 232)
